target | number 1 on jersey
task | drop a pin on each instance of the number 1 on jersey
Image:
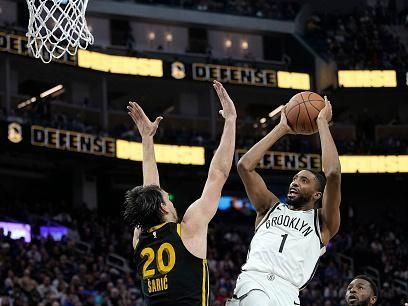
(283, 242)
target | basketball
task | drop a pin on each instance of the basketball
(302, 111)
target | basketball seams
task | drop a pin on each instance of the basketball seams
(308, 98)
(316, 100)
(297, 103)
(304, 105)
(297, 119)
(314, 105)
(307, 111)
(301, 95)
(310, 119)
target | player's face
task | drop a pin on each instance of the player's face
(168, 207)
(359, 293)
(302, 188)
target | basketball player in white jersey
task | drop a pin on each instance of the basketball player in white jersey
(289, 238)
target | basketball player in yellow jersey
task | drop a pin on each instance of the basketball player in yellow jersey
(289, 237)
(171, 256)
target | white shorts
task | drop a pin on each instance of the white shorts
(263, 289)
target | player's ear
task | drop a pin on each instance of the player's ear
(164, 208)
(317, 195)
(373, 299)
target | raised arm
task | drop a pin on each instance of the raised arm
(136, 234)
(330, 211)
(200, 213)
(258, 193)
(147, 130)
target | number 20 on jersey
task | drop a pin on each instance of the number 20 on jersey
(148, 268)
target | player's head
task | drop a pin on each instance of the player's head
(306, 186)
(147, 206)
(361, 291)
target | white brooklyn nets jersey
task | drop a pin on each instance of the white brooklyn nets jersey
(287, 243)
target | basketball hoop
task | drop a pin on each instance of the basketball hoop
(57, 27)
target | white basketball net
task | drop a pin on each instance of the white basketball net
(57, 27)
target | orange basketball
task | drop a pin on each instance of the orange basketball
(302, 111)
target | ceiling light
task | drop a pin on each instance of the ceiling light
(51, 91)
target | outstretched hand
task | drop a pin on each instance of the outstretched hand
(228, 108)
(144, 125)
(326, 113)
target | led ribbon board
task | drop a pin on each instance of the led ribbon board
(285, 160)
(374, 164)
(195, 155)
(247, 76)
(120, 64)
(110, 147)
(17, 44)
(367, 78)
(169, 154)
(72, 141)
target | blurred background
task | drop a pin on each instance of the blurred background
(68, 150)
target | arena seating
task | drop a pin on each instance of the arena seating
(92, 266)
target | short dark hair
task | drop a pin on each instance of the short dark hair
(370, 281)
(321, 179)
(321, 183)
(142, 207)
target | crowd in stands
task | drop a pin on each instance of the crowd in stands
(361, 40)
(284, 10)
(46, 272)
(56, 273)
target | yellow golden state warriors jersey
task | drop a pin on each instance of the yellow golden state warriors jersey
(170, 275)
